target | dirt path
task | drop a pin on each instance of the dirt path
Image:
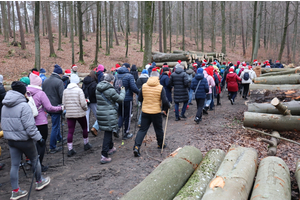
(83, 177)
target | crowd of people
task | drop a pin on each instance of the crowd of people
(109, 95)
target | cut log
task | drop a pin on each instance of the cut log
(293, 106)
(272, 180)
(170, 64)
(272, 121)
(274, 87)
(297, 173)
(235, 176)
(271, 70)
(257, 71)
(156, 52)
(278, 80)
(286, 71)
(197, 183)
(163, 57)
(168, 177)
(272, 143)
(280, 107)
(179, 52)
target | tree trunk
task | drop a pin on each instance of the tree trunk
(5, 23)
(288, 46)
(37, 62)
(254, 28)
(272, 143)
(235, 23)
(182, 26)
(213, 36)
(278, 80)
(14, 20)
(148, 31)
(293, 106)
(257, 35)
(295, 31)
(159, 27)
(197, 183)
(168, 177)
(235, 176)
(8, 17)
(230, 25)
(127, 27)
(142, 25)
(59, 27)
(23, 46)
(97, 35)
(284, 30)
(170, 63)
(25, 16)
(116, 36)
(50, 35)
(72, 30)
(80, 32)
(197, 26)
(43, 22)
(170, 25)
(164, 57)
(284, 71)
(223, 27)
(66, 19)
(119, 16)
(272, 180)
(75, 19)
(100, 26)
(164, 26)
(87, 21)
(271, 121)
(111, 21)
(268, 70)
(202, 26)
(243, 40)
(265, 29)
(107, 49)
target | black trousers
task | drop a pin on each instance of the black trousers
(44, 132)
(107, 143)
(147, 119)
(246, 89)
(200, 106)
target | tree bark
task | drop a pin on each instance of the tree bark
(8, 19)
(148, 31)
(235, 176)
(271, 121)
(159, 27)
(182, 25)
(170, 25)
(107, 49)
(254, 27)
(164, 57)
(280, 107)
(257, 34)
(230, 25)
(164, 26)
(75, 19)
(284, 30)
(213, 36)
(59, 27)
(278, 80)
(284, 71)
(66, 19)
(295, 31)
(111, 21)
(223, 27)
(243, 40)
(80, 32)
(170, 64)
(23, 46)
(167, 178)
(26, 14)
(43, 18)
(37, 62)
(127, 28)
(272, 143)
(197, 183)
(268, 70)
(14, 21)
(272, 180)
(72, 30)
(50, 35)
(297, 173)
(116, 36)
(142, 25)
(5, 23)
(97, 35)
(293, 106)
(202, 26)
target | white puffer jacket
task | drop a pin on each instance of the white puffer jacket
(252, 75)
(74, 101)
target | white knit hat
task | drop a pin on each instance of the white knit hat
(74, 79)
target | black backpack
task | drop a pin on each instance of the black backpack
(119, 83)
(246, 76)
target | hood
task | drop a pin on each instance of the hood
(153, 81)
(199, 76)
(88, 80)
(189, 71)
(123, 70)
(13, 98)
(231, 75)
(33, 89)
(179, 70)
(144, 76)
(103, 85)
(72, 85)
(133, 68)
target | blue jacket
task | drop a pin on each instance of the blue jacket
(100, 76)
(203, 86)
(164, 81)
(128, 83)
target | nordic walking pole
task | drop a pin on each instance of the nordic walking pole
(62, 140)
(37, 160)
(162, 148)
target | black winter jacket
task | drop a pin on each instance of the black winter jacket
(141, 80)
(134, 72)
(180, 82)
(89, 89)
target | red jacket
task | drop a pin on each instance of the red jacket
(232, 79)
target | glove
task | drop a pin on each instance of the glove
(41, 142)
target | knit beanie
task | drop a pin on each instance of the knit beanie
(200, 70)
(145, 71)
(1, 79)
(25, 80)
(57, 69)
(126, 65)
(67, 72)
(74, 79)
(100, 68)
(18, 86)
(109, 78)
(35, 79)
(42, 70)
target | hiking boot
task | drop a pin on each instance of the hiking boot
(43, 183)
(2, 166)
(160, 146)
(177, 119)
(191, 103)
(18, 195)
(231, 101)
(112, 151)
(64, 141)
(211, 108)
(183, 116)
(57, 149)
(44, 168)
(136, 151)
(116, 133)
(205, 111)
(218, 104)
(127, 136)
(94, 131)
(197, 120)
(87, 146)
(104, 160)
(71, 152)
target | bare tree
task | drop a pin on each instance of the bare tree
(164, 26)
(295, 32)
(149, 15)
(111, 21)
(257, 36)
(72, 30)
(97, 35)
(159, 27)
(75, 19)
(230, 25)
(284, 30)
(127, 27)
(223, 27)
(37, 62)
(5, 23)
(202, 26)
(254, 27)
(243, 40)
(107, 50)
(14, 21)
(142, 25)
(50, 36)
(59, 27)
(8, 18)
(80, 31)
(170, 25)
(182, 25)
(23, 46)
(213, 24)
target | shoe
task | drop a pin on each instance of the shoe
(18, 195)
(112, 151)
(191, 103)
(127, 136)
(243, 97)
(64, 141)
(57, 149)
(246, 98)
(116, 133)
(177, 119)
(187, 107)
(159, 146)
(136, 151)
(44, 168)
(71, 152)
(2, 166)
(43, 183)
(94, 131)
(231, 101)
(205, 111)
(87, 146)
(197, 120)
(183, 116)
(218, 104)
(211, 109)
(104, 160)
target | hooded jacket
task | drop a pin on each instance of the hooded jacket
(141, 80)
(17, 119)
(232, 79)
(107, 115)
(164, 81)
(42, 103)
(74, 101)
(180, 82)
(89, 88)
(210, 81)
(203, 86)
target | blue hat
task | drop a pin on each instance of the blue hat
(42, 70)
(57, 69)
(126, 65)
(200, 70)
(144, 71)
(153, 64)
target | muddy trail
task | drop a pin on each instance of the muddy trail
(83, 177)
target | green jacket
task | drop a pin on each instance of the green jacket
(107, 115)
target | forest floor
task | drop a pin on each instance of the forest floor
(83, 177)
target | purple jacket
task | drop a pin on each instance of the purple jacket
(40, 98)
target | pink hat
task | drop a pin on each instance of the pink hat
(100, 68)
(35, 79)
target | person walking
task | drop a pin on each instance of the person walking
(153, 97)
(191, 74)
(76, 107)
(54, 88)
(232, 80)
(42, 103)
(107, 113)
(164, 81)
(208, 73)
(200, 86)
(19, 129)
(139, 83)
(247, 76)
(134, 72)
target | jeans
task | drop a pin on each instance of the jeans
(55, 131)
(16, 149)
(107, 143)
(71, 127)
(182, 110)
(190, 95)
(44, 132)
(208, 99)
(212, 103)
(93, 107)
(147, 119)
(125, 115)
(96, 125)
(232, 95)
(200, 105)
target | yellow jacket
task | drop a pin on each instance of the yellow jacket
(152, 96)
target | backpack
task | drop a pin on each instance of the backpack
(118, 84)
(246, 76)
(32, 105)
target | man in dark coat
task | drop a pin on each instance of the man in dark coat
(180, 82)
(125, 108)
(164, 81)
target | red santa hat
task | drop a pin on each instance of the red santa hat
(67, 72)
(203, 64)
(244, 64)
(154, 69)
(277, 61)
(254, 61)
(117, 66)
(179, 61)
(231, 69)
(195, 65)
(36, 73)
(249, 67)
(214, 63)
(74, 66)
